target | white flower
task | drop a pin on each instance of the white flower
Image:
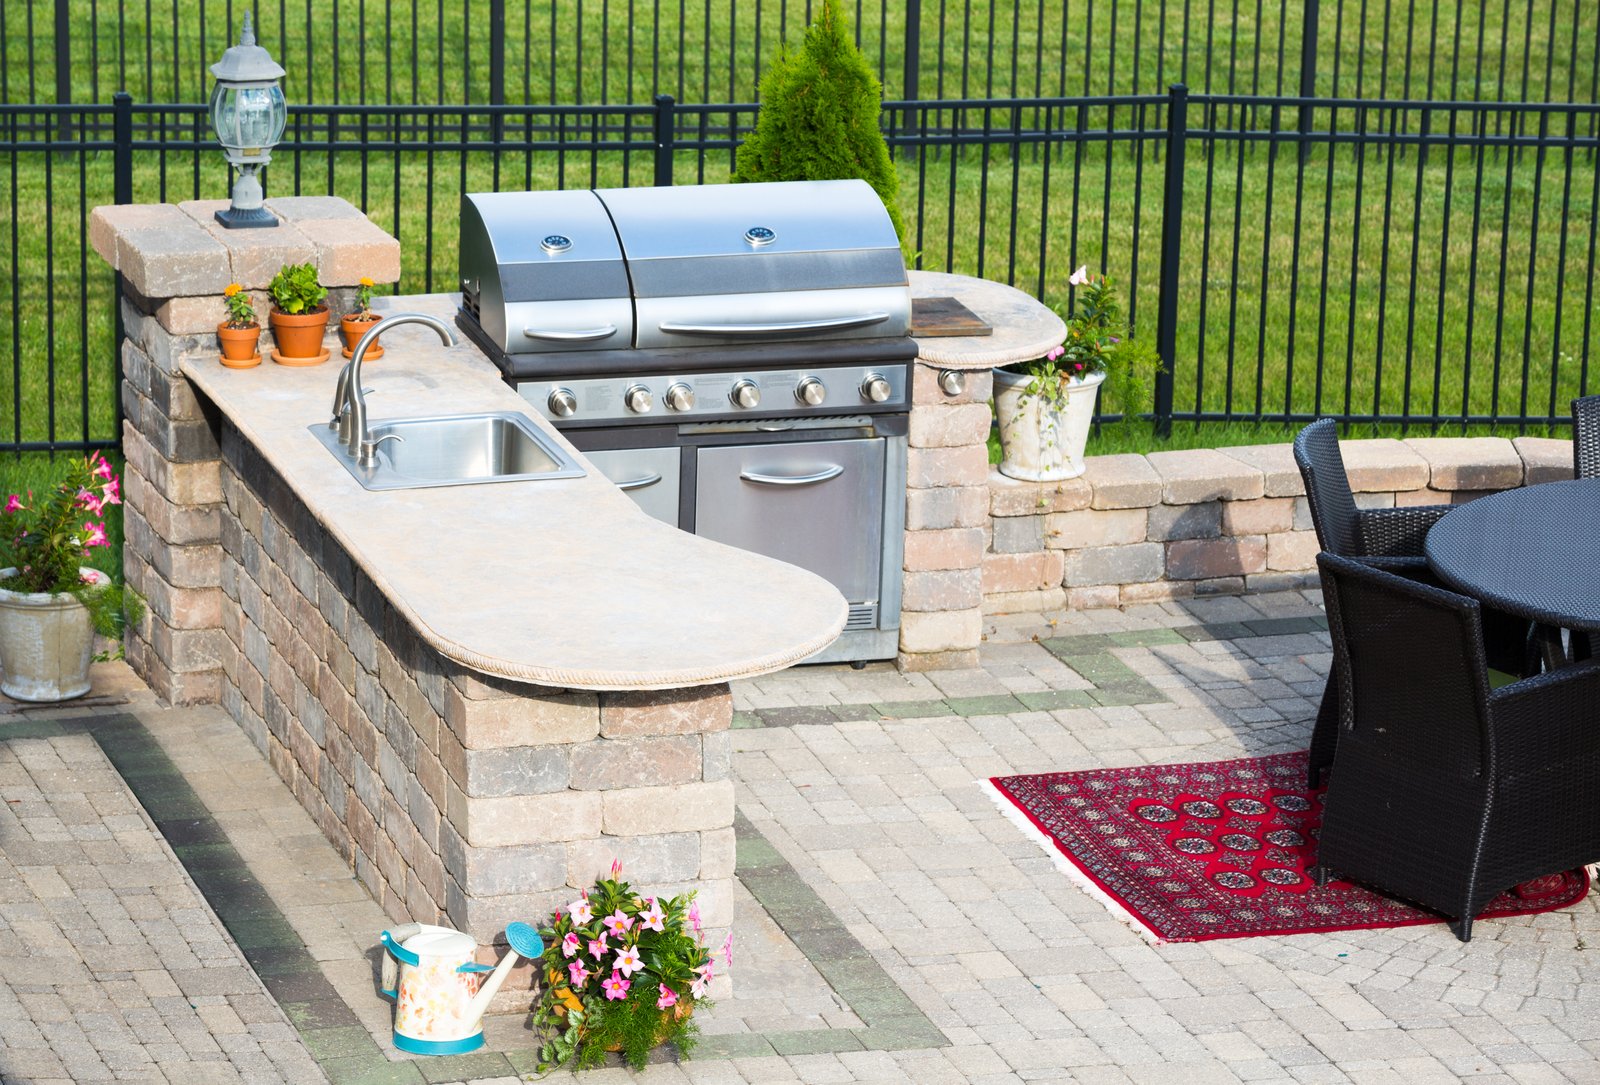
(1081, 276)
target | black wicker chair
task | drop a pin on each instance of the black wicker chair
(1392, 537)
(1586, 436)
(1446, 793)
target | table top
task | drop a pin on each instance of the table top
(1024, 327)
(1533, 552)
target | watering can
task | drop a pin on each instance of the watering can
(440, 992)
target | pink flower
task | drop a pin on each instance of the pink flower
(616, 987)
(1055, 352)
(581, 912)
(628, 961)
(89, 501)
(694, 916)
(617, 923)
(651, 917)
(13, 503)
(699, 985)
(668, 997)
(616, 868)
(578, 973)
(598, 948)
(113, 492)
(571, 946)
(727, 950)
(708, 969)
(1080, 277)
(100, 467)
(95, 534)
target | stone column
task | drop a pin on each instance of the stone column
(175, 261)
(947, 510)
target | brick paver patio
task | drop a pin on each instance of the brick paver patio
(893, 926)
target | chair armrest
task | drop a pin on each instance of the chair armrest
(1547, 719)
(1397, 532)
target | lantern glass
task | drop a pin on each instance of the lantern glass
(248, 119)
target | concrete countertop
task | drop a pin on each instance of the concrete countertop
(1024, 327)
(560, 582)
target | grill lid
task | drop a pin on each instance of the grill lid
(557, 246)
(755, 238)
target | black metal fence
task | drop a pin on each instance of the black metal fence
(1416, 262)
(626, 51)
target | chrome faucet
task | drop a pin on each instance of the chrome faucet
(349, 399)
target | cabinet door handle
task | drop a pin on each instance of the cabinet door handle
(639, 483)
(580, 335)
(833, 471)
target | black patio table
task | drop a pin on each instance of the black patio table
(1533, 552)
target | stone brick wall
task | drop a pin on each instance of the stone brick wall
(1169, 525)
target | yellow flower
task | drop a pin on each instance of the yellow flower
(366, 281)
(231, 289)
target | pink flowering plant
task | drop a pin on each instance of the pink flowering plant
(623, 971)
(46, 537)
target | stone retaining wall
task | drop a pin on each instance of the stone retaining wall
(1168, 525)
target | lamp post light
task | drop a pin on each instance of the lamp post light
(248, 114)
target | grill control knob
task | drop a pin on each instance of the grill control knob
(745, 394)
(952, 381)
(638, 399)
(811, 392)
(680, 397)
(875, 388)
(562, 403)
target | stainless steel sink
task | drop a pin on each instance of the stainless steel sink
(454, 450)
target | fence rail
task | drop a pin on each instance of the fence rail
(1396, 261)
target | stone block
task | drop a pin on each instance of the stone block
(1263, 516)
(1013, 497)
(718, 853)
(1024, 602)
(172, 261)
(947, 506)
(964, 659)
(1280, 475)
(925, 388)
(1096, 527)
(302, 209)
(1125, 481)
(179, 483)
(1203, 474)
(646, 860)
(348, 248)
(201, 315)
(937, 426)
(1544, 459)
(1282, 581)
(943, 631)
(1221, 585)
(1101, 565)
(1469, 463)
(1408, 499)
(1156, 591)
(532, 819)
(1022, 572)
(538, 719)
(1198, 521)
(1098, 597)
(949, 589)
(927, 468)
(648, 811)
(1017, 534)
(666, 712)
(1379, 464)
(953, 548)
(108, 222)
(716, 755)
(254, 256)
(607, 764)
(519, 868)
(514, 770)
(1207, 559)
(1288, 550)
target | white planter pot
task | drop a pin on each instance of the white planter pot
(1042, 444)
(46, 640)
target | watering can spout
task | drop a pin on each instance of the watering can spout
(524, 942)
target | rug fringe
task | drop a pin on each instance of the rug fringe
(1064, 863)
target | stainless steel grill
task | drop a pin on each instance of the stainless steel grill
(735, 357)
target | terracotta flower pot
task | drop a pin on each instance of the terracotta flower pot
(239, 345)
(353, 326)
(299, 335)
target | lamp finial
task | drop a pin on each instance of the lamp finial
(247, 34)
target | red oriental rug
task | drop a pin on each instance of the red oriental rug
(1217, 849)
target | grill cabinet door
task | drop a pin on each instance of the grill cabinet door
(648, 475)
(817, 505)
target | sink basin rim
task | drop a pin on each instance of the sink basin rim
(383, 477)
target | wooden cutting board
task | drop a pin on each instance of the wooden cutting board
(935, 317)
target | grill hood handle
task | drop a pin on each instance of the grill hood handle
(787, 328)
(580, 335)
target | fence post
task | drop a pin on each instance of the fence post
(497, 66)
(909, 90)
(664, 136)
(1308, 73)
(121, 193)
(1171, 252)
(63, 68)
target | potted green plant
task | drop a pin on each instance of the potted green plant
(1045, 406)
(51, 606)
(299, 316)
(240, 334)
(623, 972)
(354, 325)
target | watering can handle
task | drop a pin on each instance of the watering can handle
(476, 968)
(396, 952)
(400, 953)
